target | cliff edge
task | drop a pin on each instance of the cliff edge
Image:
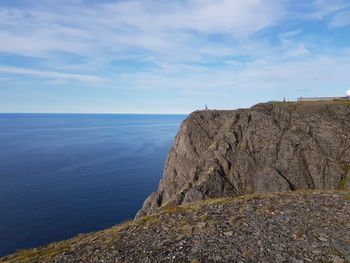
(269, 147)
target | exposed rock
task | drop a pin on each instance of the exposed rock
(267, 148)
(259, 233)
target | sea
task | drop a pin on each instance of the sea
(65, 174)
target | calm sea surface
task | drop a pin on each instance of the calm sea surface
(64, 174)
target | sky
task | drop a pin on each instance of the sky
(156, 56)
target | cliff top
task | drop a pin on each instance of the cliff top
(270, 147)
(302, 226)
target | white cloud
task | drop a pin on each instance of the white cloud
(56, 75)
(116, 28)
(323, 8)
(340, 19)
(289, 34)
(301, 50)
(233, 17)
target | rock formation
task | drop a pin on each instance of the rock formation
(270, 147)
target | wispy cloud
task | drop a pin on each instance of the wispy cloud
(50, 74)
(116, 28)
(341, 19)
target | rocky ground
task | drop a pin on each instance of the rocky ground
(279, 227)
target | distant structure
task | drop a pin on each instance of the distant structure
(206, 106)
(347, 97)
(323, 98)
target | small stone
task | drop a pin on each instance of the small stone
(245, 224)
(323, 239)
(280, 257)
(218, 258)
(202, 224)
(285, 219)
(337, 259)
(228, 233)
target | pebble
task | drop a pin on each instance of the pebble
(228, 233)
(202, 224)
(337, 259)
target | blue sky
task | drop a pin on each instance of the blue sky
(153, 56)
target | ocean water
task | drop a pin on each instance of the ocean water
(65, 174)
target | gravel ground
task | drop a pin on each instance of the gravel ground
(281, 227)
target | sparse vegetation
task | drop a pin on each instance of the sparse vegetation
(344, 179)
(199, 225)
(213, 147)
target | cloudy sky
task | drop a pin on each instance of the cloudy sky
(156, 56)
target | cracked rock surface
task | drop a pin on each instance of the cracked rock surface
(267, 148)
(296, 227)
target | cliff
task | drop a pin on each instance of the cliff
(296, 227)
(270, 147)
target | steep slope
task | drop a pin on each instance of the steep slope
(267, 148)
(284, 227)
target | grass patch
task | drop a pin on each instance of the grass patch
(46, 253)
(342, 183)
(344, 102)
(172, 209)
(344, 179)
(346, 168)
(346, 197)
(144, 220)
(186, 230)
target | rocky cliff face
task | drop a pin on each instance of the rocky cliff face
(268, 148)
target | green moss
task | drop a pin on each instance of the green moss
(346, 197)
(346, 168)
(342, 183)
(344, 179)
